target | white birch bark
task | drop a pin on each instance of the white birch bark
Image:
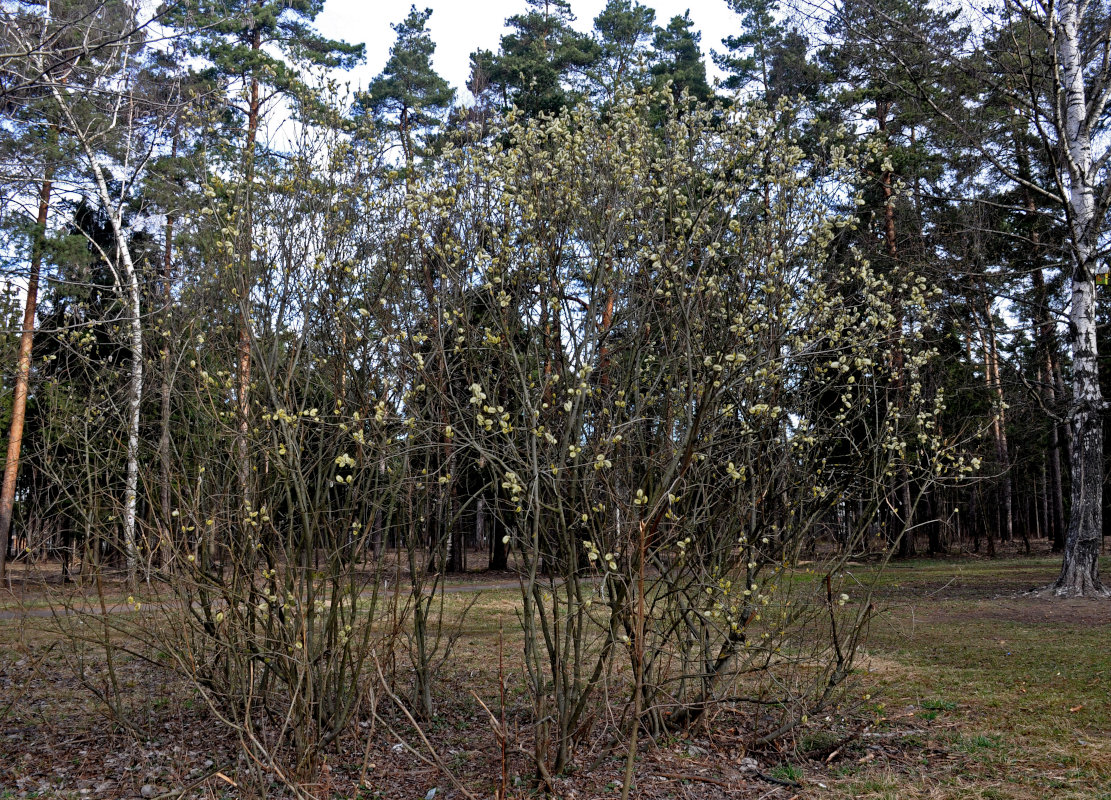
(1080, 569)
(130, 290)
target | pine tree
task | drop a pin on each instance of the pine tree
(878, 61)
(409, 91)
(541, 60)
(679, 58)
(768, 59)
(624, 30)
(237, 39)
(747, 59)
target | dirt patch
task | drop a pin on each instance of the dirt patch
(62, 740)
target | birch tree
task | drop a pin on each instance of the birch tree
(127, 283)
(1059, 79)
(1082, 72)
(1051, 62)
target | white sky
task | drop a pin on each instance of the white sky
(459, 27)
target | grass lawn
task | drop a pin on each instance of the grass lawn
(985, 693)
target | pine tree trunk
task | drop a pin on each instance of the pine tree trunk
(1038, 504)
(1055, 524)
(23, 372)
(902, 490)
(1044, 338)
(933, 529)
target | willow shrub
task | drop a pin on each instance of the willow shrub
(643, 346)
(631, 339)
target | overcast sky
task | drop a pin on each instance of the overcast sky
(459, 27)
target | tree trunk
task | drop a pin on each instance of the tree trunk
(134, 401)
(999, 424)
(243, 344)
(1045, 344)
(23, 371)
(1080, 568)
(1047, 526)
(902, 490)
(167, 386)
(934, 506)
(130, 290)
(1055, 523)
(499, 551)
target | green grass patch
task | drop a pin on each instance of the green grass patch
(994, 687)
(786, 772)
(939, 705)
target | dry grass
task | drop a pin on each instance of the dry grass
(967, 690)
(982, 692)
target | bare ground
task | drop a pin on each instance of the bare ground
(968, 689)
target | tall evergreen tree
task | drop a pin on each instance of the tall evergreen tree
(409, 91)
(624, 31)
(679, 58)
(541, 62)
(768, 59)
(747, 59)
(878, 56)
(261, 46)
